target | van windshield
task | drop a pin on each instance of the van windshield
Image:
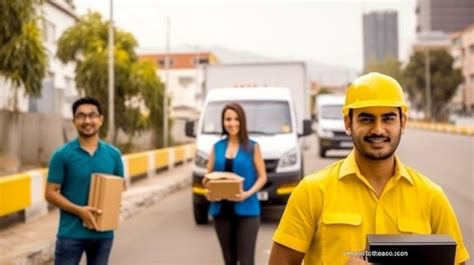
(263, 117)
(331, 112)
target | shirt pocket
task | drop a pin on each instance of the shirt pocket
(341, 232)
(413, 226)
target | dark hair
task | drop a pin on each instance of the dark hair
(86, 100)
(243, 134)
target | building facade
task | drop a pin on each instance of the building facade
(444, 15)
(186, 77)
(58, 88)
(463, 53)
(380, 35)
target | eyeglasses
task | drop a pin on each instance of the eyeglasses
(84, 116)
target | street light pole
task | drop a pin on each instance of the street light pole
(167, 82)
(111, 129)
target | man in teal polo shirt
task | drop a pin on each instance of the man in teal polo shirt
(69, 177)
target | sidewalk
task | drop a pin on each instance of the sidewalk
(33, 242)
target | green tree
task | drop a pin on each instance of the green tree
(388, 66)
(444, 81)
(324, 90)
(137, 87)
(23, 58)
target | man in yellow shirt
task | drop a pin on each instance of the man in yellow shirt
(330, 213)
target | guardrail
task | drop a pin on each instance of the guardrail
(443, 127)
(25, 191)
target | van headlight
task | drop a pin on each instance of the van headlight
(289, 159)
(201, 159)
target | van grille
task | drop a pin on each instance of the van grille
(271, 165)
(340, 133)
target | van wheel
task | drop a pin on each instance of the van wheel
(322, 152)
(200, 213)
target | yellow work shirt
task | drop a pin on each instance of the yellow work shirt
(330, 212)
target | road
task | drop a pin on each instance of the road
(166, 233)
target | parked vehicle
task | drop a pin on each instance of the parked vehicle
(330, 124)
(273, 121)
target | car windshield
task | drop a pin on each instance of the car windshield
(263, 117)
(332, 112)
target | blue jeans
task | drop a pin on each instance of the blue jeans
(69, 251)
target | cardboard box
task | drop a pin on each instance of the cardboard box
(411, 249)
(105, 193)
(223, 185)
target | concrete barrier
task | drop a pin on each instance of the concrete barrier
(25, 191)
(15, 193)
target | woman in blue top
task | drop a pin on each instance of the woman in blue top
(236, 221)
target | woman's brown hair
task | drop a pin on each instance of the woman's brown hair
(243, 134)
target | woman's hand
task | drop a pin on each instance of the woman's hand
(242, 196)
(208, 195)
(207, 192)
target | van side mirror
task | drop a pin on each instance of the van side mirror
(189, 129)
(306, 128)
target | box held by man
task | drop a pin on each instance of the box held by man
(105, 194)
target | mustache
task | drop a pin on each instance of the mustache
(375, 137)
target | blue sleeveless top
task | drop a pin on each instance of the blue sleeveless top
(243, 166)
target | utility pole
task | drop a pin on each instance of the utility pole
(111, 118)
(167, 82)
(428, 83)
(428, 74)
(197, 60)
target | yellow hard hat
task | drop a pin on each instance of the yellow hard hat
(374, 90)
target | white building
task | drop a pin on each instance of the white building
(463, 52)
(186, 77)
(58, 88)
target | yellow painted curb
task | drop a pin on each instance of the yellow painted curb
(443, 127)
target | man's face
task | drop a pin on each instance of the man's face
(376, 131)
(87, 120)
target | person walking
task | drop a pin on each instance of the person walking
(236, 221)
(69, 176)
(371, 191)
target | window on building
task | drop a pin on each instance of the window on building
(200, 61)
(471, 49)
(457, 42)
(204, 61)
(49, 31)
(471, 79)
(185, 81)
(161, 62)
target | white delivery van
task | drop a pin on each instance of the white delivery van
(271, 122)
(330, 130)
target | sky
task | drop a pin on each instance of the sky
(323, 31)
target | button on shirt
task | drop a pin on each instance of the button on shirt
(72, 167)
(330, 212)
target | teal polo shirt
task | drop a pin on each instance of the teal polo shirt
(71, 167)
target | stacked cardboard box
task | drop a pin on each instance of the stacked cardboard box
(105, 193)
(223, 185)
